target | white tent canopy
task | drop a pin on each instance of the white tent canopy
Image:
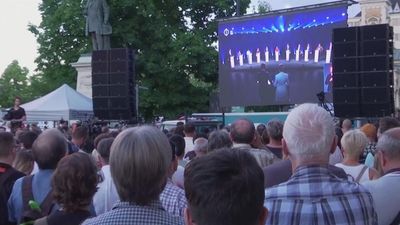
(63, 103)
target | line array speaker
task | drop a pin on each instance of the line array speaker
(113, 84)
(363, 71)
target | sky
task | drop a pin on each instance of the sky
(17, 43)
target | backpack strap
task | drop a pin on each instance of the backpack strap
(47, 205)
(27, 193)
(361, 174)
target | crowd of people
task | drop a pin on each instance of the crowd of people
(304, 170)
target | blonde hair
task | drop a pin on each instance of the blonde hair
(354, 142)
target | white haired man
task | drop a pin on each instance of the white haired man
(314, 195)
(385, 190)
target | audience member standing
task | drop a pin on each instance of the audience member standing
(172, 197)
(189, 131)
(385, 190)
(139, 162)
(346, 125)
(371, 132)
(225, 187)
(73, 184)
(353, 145)
(79, 136)
(219, 139)
(274, 129)
(47, 150)
(314, 195)
(106, 195)
(8, 175)
(243, 134)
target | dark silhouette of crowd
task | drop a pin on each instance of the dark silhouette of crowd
(308, 169)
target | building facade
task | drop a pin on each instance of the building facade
(380, 12)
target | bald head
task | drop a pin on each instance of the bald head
(389, 144)
(49, 148)
(242, 131)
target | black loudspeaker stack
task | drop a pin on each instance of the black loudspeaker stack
(113, 84)
(363, 71)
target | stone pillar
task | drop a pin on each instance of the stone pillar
(84, 79)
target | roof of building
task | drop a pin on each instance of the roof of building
(395, 7)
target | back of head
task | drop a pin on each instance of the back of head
(354, 142)
(225, 187)
(242, 131)
(387, 123)
(369, 130)
(179, 143)
(27, 138)
(189, 128)
(200, 146)
(389, 144)
(80, 132)
(309, 132)
(139, 162)
(260, 129)
(275, 129)
(7, 144)
(219, 139)
(74, 182)
(346, 124)
(49, 148)
(103, 148)
(100, 137)
(23, 161)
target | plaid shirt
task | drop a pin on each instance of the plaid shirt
(125, 213)
(313, 195)
(173, 199)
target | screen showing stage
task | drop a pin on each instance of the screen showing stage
(278, 59)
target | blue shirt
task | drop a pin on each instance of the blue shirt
(41, 186)
(314, 195)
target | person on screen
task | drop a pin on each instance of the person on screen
(249, 57)
(281, 84)
(328, 54)
(240, 56)
(266, 54)
(306, 53)
(277, 53)
(298, 53)
(318, 50)
(287, 52)
(231, 59)
(258, 55)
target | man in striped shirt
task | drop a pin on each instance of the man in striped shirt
(314, 195)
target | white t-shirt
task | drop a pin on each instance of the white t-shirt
(354, 171)
(106, 195)
(188, 144)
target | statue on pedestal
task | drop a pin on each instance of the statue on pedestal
(97, 23)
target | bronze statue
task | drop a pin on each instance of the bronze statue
(97, 23)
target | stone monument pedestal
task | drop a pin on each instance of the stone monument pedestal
(84, 79)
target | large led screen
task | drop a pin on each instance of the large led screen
(279, 58)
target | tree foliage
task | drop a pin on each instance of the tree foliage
(13, 82)
(176, 58)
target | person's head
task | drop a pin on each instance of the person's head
(179, 143)
(260, 128)
(178, 130)
(242, 131)
(200, 146)
(27, 138)
(189, 130)
(103, 148)
(23, 161)
(225, 187)
(308, 135)
(7, 147)
(219, 139)
(139, 162)
(105, 129)
(370, 131)
(353, 143)
(387, 123)
(79, 135)
(49, 148)
(17, 101)
(346, 125)
(74, 182)
(388, 147)
(100, 137)
(275, 129)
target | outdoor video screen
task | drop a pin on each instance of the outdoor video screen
(278, 59)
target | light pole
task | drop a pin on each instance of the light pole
(237, 7)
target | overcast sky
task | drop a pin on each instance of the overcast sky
(16, 42)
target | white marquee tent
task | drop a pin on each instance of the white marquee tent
(63, 103)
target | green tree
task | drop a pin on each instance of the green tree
(174, 41)
(14, 82)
